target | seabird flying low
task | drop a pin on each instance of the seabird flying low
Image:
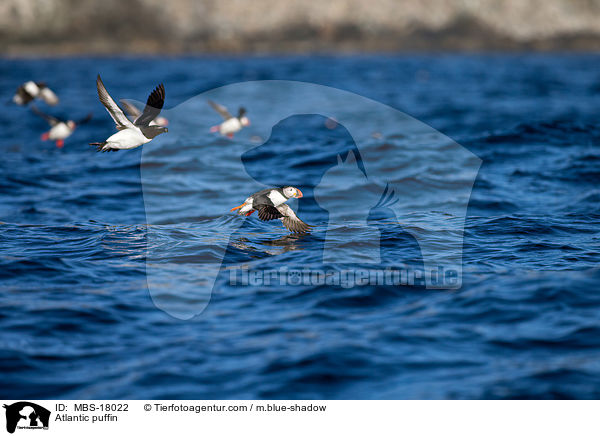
(29, 91)
(270, 204)
(133, 113)
(231, 124)
(59, 129)
(131, 134)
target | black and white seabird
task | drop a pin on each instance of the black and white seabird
(59, 129)
(270, 204)
(131, 134)
(134, 113)
(231, 124)
(31, 90)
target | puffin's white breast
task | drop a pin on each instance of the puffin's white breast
(231, 125)
(128, 138)
(60, 131)
(276, 197)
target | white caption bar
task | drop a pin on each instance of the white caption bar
(160, 417)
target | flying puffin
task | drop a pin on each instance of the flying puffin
(231, 124)
(131, 135)
(31, 90)
(133, 113)
(270, 204)
(59, 129)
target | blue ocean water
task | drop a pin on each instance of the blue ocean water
(76, 316)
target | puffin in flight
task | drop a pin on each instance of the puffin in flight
(270, 204)
(31, 90)
(59, 129)
(131, 134)
(231, 124)
(133, 113)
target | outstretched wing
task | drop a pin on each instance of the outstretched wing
(114, 111)
(53, 121)
(130, 108)
(48, 96)
(22, 97)
(267, 212)
(154, 104)
(291, 221)
(222, 110)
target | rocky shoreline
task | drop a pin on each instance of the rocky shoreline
(68, 27)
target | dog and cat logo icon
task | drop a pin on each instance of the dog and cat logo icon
(26, 415)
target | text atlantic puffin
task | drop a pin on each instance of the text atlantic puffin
(270, 204)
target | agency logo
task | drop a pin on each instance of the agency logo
(25, 415)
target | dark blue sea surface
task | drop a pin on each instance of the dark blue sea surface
(77, 318)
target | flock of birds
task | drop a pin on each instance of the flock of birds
(140, 127)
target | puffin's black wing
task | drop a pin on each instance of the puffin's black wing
(267, 212)
(222, 110)
(22, 97)
(155, 103)
(291, 221)
(53, 121)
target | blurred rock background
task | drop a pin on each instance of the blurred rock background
(38, 27)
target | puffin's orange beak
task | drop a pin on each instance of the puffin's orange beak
(299, 194)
